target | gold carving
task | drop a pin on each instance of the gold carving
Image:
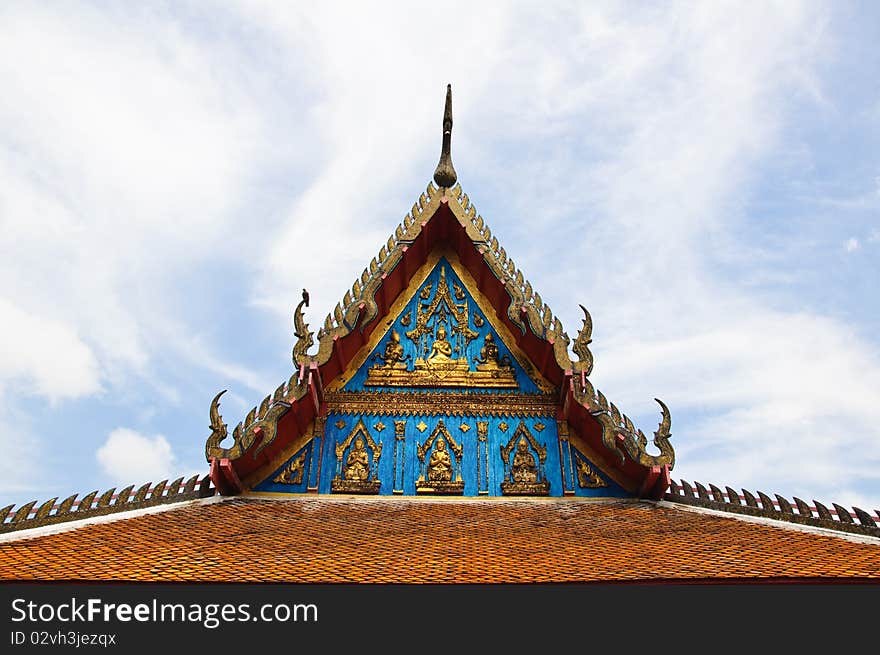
(301, 332)
(524, 476)
(421, 427)
(293, 472)
(414, 289)
(539, 427)
(581, 345)
(379, 426)
(440, 464)
(428, 403)
(340, 424)
(441, 472)
(464, 427)
(357, 464)
(441, 349)
(399, 444)
(503, 426)
(524, 468)
(359, 474)
(393, 357)
(489, 360)
(587, 477)
(441, 362)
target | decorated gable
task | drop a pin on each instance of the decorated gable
(441, 371)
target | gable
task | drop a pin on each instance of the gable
(409, 347)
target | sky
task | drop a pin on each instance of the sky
(703, 177)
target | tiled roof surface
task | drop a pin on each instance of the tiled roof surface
(324, 539)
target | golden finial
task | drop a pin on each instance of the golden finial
(445, 175)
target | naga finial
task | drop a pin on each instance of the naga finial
(445, 175)
(218, 427)
(301, 332)
(582, 343)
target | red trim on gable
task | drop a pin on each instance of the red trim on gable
(224, 477)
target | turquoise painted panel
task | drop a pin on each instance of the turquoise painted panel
(455, 333)
(588, 480)
(480, 466)
(296, 474)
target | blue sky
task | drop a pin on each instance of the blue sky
(705, 178)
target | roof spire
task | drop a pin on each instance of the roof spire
(445, 175)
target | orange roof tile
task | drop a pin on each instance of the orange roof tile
(335, 539)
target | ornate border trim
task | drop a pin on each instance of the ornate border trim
(441, 404)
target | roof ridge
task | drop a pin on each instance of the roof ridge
(148, 495)
(729, 500)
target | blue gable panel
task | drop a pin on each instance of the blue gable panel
(475, 445)
(295, 474)
(588, 479)
(442, 340)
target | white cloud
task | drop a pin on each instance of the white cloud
(44, 356)
(128, 457)
(124, 152)
(851, 244)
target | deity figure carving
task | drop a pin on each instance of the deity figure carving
(293, 472)
(523, 472)
(489, 356)
(441, 350)
(357, 464)
(524, 468)
(440, 464)
(439, 473)
(393, 356)
(587, 477)
(441, 336)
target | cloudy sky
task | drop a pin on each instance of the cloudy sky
(704, 177)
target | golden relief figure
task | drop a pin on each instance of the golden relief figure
(393, 357)
(523, 472)
(441, 472)
(440, 464)
(440, 338)
(587, 477)
(359, 472)
(524, 468)
(293, 472)
(489, 356)
(357, 464)
(441, 349)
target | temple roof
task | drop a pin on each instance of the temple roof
(213, 528)
(429, 540)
